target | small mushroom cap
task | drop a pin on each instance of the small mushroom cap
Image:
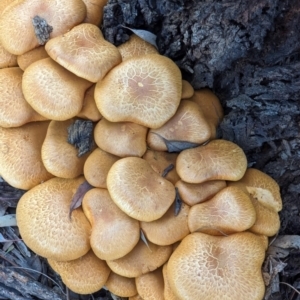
(187, 125)
(84, 275)
(53, 91)
(136, 297)
(217, 160)
(96, 167)
(263, 188)
(150, 286)
(168, 293)
(138, 190)
(163, 163)
(15, 110)
(145, 90)
(31, 56)
(187, 90)
(60, 158)
(141, 260)
(224, 267)
(89, 109)
(121, 138)
(120, 285)
(210, 106)
(136, 46)
(84, 52)
(94, 11)
(168, 229)
(114, 234)
(192, 194)
(16, 29)
(44, 223)
(230, 211)
(20, 155)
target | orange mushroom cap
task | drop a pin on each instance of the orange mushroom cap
(145, 90)
(17, 32)
(132, 178)
(44, 223)
(84, 275)
(217, 267)
(84, 52)
(217, 160)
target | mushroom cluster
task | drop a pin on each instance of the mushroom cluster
(161, 208)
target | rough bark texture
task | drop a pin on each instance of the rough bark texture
(248, 53)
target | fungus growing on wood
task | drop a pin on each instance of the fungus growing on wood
(84, 52)
(96, 167)
(120, 285)
(114, 234)
(224, 267)
(17, 33)
(20, 155)
(229, 211)
(145, 90)
(132, 178)
(141, 260)
(15, 110)
(188, 126)
(53, 91)
(217, 160)
(61, 158)
(84, 275)
(122, 139)
(44, 223)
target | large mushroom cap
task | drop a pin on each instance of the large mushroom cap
(20, 155)
(138, 190)
(17, 33)
(44, 223)
(145, 90)
(217, 160)
(84, 275)
(53, 91)
(84, 52)
(114, 234)
(229, 211)
(211, 267)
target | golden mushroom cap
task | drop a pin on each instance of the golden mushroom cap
(44, 222)
(168, 229)
(151, 285)
(217, 267)
(136, 46)
(141, 260)
(121, 138)
(60, 158)
(16, 29)
(31, 56)
(20, 155)
(145, 90)
(187, 90)
(120, 285)
(96, 167)
(187, 125)
(15, 110)
(6, 58)
(229, 211)
(114, 234)
(168, 293)
(192, 193)
(94, 11)
(138, 190)
(217, 160)
(84, 52)
(263, 188)
(53, 91)
(84, 275)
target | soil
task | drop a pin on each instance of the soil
(248, 53)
